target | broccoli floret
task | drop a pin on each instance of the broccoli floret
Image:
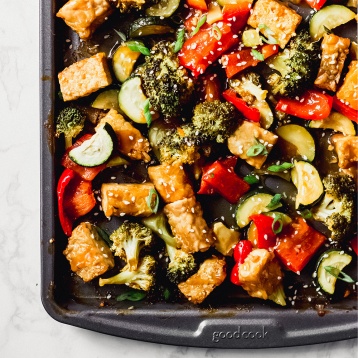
(128, 240)
(181, 265)
(179, 143)
(143, 278)
(70, 122)
(249, 87)
(337, 208)
(214, 121)
(297, 65)
(166, 83)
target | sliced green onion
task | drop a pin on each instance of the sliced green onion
(251, 179)
(268, 31)
(131, 296)
(274, 201)
(277, 220)
(306, 214)
(153, 200)
(280, 168)
(166, 294)
(120, 34)
(104, 236)
(269, 40)
(138, 47)
(256, 149)
(200, 23)
(215, 32)
(340, 275)
(147, 114)
(180, 40)
(258, 55)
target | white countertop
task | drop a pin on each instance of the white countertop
(25, 328)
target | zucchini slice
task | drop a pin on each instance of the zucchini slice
(132, 100)
(309, 186)
(252, 204)
(329, 17)
(96, 150)
(296, 140)
(151, 25)
(107, 100)
(336, 121)
(335, 259)
(123, 61)
(165, 8)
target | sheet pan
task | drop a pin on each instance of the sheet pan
(235, 324)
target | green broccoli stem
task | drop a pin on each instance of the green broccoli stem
(171, 251)
(132, 253)
(278, 296)
(119, 279)
(158, 224)
(68, 141)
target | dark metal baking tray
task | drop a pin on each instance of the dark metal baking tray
(240, 323)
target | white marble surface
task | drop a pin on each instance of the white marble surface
(25, 328)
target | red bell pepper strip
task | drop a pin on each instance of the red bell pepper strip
(62, 184)
(237, 14)
(86, 173)
(344, 109)
(250, 113)
(297, 243)
(240, 252)
(197, 4)
(315, 4)
(224, 181)
(354, 244)
(75, 198)
(204, 48)
(238, 61)
(266, 238)
(312, 105)
(228, 162)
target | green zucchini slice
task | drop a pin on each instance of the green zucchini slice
(252, 204)
(331, 259)
(151, 25)
(96, 150)
(165, 8)
(132, 99)
(107, 100)
(295, 140)
(328, 18)
(336, 121)
(123, 61)
(309, 186)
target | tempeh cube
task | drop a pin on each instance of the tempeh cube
(212, 273)
(128, 199)
(84, 16)
(88, 254)
(131, 141)
(171, 181)
(247, 135)
(276, 19)
(186, 220)
(348, 93)
(334, 53)
(84, 77)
